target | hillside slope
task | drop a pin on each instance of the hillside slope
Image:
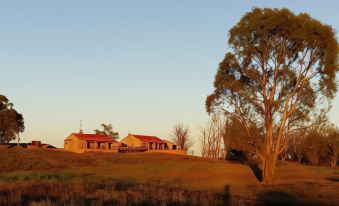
(189, 171)
(318, 185)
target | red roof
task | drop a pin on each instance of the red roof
(94, 137)
(144, 138)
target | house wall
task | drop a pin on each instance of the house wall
(74, 144)
(115, 147)
(169, 145)
(132, 141)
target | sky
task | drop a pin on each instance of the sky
(142, 66)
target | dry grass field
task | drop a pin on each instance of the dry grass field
(56, 177)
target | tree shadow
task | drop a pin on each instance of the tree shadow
(225, 198)
(333, 179)
(227, 195)
(240, 157)
(253, 166)
(278, 198)
(256, 171)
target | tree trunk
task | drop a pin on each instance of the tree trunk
(18, 140)
(225, 153)
(334, 160)
(270, 157)
(268, 169)
(299, 157)
(283, 155)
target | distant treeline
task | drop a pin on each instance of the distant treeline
(316, 144)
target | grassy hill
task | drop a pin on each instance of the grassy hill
(56, 177)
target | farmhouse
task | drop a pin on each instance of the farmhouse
(79, 142)
(141, 143)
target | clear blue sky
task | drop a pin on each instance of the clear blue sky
(141, 65)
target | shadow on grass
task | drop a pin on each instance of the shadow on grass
(227, 195)
(253, 166)
(240, 158)
(333, 179)
(256, 171)
(278, 198)
(225, 198)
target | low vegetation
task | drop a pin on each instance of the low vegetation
(56, 177)
(103, 192)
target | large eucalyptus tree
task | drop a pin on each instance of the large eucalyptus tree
(280, 67)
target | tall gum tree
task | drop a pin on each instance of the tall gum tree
(281, 65)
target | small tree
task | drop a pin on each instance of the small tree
(333, 144)
(11, 122)
(299, 147)
(212, 137)
(181, 137)
(107, 130)
(315, 146)
(280, 64)
(297, 126)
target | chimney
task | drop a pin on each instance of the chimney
(81, 132)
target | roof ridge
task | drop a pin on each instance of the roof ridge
(143, 135)
(101, 136)
(90, 134)
(147, 138)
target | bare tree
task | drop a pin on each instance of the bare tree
(213, 138)
(181, 136)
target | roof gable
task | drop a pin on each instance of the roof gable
(145, 138)
(94, 137)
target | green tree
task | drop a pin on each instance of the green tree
(11, 122)
(280, 64)
(107, 129)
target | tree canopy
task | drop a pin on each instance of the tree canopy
(107, 129)
(11, 122)
(281, 66)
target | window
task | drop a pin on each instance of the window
(101, 145)
(90, 145)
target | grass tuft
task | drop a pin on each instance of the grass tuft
(63, 177)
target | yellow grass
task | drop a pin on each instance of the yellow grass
(293, 184)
